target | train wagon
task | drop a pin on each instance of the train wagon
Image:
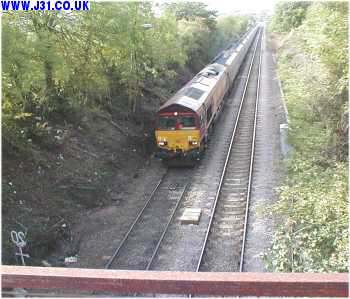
(184, 122)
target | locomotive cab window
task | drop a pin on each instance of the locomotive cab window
(182, 122)
(167, 123)
(186, 122)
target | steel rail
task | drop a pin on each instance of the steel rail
(252, 154)
(111, 260)
(166, 228)
(227, 159)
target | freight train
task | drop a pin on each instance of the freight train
(184, 122)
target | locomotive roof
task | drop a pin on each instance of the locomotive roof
(194, 93)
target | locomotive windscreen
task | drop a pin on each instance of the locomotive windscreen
(176, 122)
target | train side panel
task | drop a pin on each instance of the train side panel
(219, 92)
(235, 60)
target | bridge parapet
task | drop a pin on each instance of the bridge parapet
(202, 283)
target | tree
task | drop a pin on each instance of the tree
(289, 15)
(57, 63)
(191, 11)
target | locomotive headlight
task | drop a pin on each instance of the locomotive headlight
(193, 142)
(162, 143)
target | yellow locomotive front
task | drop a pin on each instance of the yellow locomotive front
(178, 135)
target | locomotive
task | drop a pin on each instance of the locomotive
(184, 122)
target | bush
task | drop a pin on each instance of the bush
(313, 200)
(313, 205)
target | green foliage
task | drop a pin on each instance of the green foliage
(195, 38)
(197, 26)
(289, 15)
(191, 11)
(326, 36)
(315, 76)
(202, 34)
(57, 63)
(229, 29)
(313, 206)
(232, 27)
(313, 200)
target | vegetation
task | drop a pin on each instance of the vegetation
(289, 15)
(79, 92)
(107, 58)
(313, 67)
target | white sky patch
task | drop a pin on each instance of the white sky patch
(230, 7)
(227, 7)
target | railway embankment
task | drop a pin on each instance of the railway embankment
(56, 183)
(82, 167)
(312, 231)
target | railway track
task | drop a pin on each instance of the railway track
(182, 244)
(224, 242)
(140, 247)
(140, 243)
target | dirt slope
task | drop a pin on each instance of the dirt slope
(87, 165)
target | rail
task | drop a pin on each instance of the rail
(252, 155)
(168, 210)
(110, 261)
(218, 192)
(197, 283)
